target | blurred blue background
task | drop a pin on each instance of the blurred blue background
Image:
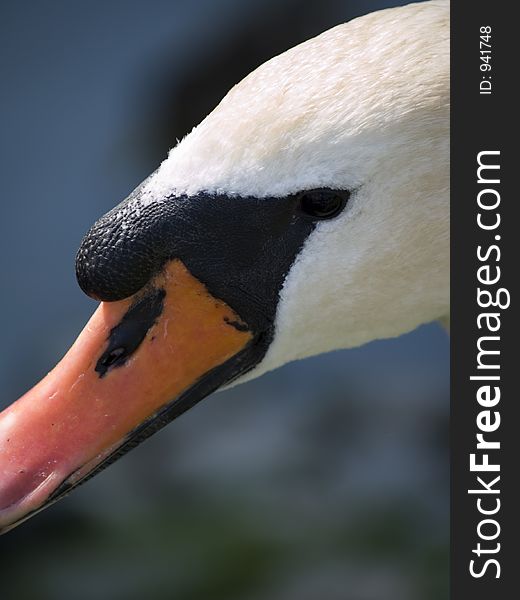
(326, 479)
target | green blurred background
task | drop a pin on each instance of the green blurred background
(326, 479)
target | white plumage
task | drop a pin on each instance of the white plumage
(364, 106)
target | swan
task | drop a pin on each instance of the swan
(308, 212)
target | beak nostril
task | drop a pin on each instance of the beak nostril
(112, 357)
(126, 337)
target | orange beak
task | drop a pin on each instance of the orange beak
(138, 363)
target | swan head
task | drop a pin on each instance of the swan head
(307, 212)
(364, 110)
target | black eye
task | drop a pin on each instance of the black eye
(323, 203)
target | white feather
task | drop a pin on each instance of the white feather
(364, 106)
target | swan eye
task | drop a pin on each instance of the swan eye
(323, 203)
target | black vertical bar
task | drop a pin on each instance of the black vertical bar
(483, 120)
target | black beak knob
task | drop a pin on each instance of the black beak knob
(124, 249)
